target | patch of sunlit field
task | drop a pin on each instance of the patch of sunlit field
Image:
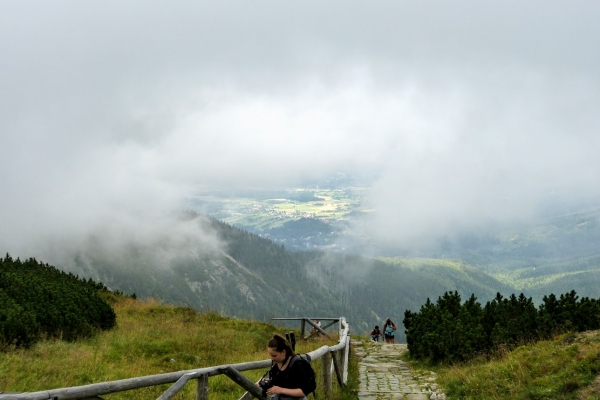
(150, 338)
(564, 368)
(316, 209)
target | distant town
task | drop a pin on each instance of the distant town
(300, 218)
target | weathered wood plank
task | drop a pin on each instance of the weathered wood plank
(346, 355)
(248, 396)
(318, 353)
(243, 381)
(317, 328)
(326, 375)
(98, 389)
(176, 387)
(337, 367)
(338, 347)
(202, 388)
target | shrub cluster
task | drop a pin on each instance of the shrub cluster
(451, 331)
(39, 301)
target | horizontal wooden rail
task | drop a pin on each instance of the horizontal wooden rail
(97, 389)
(311, 321)
(180, 378)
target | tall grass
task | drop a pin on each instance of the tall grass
(563, 368)
(150, 338)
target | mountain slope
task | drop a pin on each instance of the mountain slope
(240, 274)
(556, 256)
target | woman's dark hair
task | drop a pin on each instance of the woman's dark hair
(280, 343)
(376, 326)
(388, 321)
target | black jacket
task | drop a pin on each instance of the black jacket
(298, 374)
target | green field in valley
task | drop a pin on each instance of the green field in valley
(260, 210)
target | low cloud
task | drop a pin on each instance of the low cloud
(112, 115)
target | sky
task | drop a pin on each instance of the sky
(466, 113)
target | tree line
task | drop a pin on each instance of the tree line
(449, 331)
(39, 301)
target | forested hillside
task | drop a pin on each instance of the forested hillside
(39, 301)
(238, 273)
(556, 256)
(555, 252)
(244, 275)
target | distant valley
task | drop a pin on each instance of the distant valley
(556, 255)
(301, 218)
(287, 254)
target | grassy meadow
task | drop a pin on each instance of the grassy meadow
(150, 338)
(566, 367)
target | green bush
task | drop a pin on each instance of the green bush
(449, 331)
(37, 300)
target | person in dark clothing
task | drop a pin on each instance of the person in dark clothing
(291, 377)
(376, 334)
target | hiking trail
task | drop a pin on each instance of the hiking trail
(384, 376)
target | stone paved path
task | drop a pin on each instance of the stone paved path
(384, 376)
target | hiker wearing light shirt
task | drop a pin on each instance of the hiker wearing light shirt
(389, 329)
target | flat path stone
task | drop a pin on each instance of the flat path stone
(384, 376)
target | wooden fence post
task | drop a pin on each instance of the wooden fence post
(326, 375)
(337, 367)
(202, 390)
(346, 360)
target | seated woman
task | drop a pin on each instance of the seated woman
(291, 376)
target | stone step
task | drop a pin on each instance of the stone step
(384, 376)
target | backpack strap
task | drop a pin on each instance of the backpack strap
(298, 357)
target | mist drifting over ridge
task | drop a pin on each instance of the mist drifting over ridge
(469, 114)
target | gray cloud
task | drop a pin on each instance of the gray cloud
(468, 112)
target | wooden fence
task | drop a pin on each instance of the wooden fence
(334, 360)
(316, 329)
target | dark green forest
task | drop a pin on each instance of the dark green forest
(449, 331)
(37, 301)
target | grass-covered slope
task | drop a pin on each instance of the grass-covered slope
(565, 368)
(150, 338)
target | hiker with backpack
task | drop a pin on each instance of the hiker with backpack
(389, 328)
(291, 376)
(375, 334)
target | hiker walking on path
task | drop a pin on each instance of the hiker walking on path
(375, 334)
(290, 376)
(389, 329)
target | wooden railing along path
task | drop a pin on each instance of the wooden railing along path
(334, 359)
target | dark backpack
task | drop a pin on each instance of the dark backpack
(312, 380)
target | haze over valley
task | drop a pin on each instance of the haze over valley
(379, 154)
